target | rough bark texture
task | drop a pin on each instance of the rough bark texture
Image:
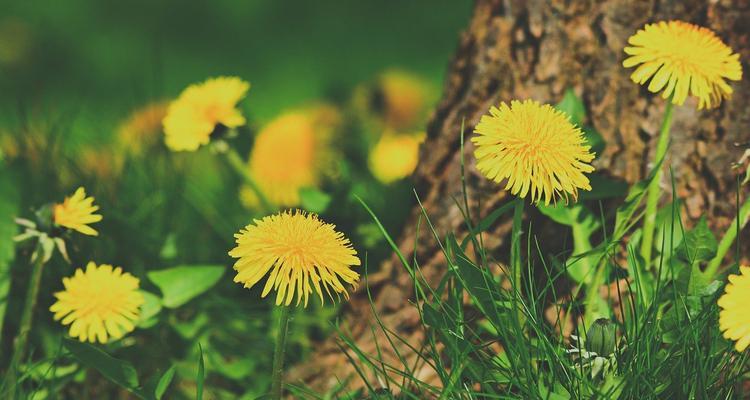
(537, 49)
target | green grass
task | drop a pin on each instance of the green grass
(668, 342)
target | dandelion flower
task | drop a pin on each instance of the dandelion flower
(292, 152)
(734, 320)
(142, 129)
(193, 117)
(681, 59)
(395, 156)
(99, 304)
(77, 212)
(302, 254)
(535, 148)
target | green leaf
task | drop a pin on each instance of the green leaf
(487, 222)
(117, 371)
(478, 282)
(584, 224)
(157, 385)
(369, 235)
(235, 370)
(570, 215)
(201, 375)
(169, 248)
(164, 382)
(604, 187)
(594, 139)
(434, 318)
(624, 217)
(179, 285)
(691, 281)
(669, 225)
(314, 200)
(189, 329)
(572, 105)
(699, 244)
(149, 310)
(678, 315)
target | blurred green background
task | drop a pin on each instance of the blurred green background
(72, 72)
(107, 57)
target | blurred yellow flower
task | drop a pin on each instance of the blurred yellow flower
(535, 148)
(16, 41)
(292, 152)
(403, 98)
(142, 129)
(77, 212)
(100, 162)
(302, 254)
(31, 144)
(198, 110)
(395, 156)
(8, 145)
(99, 304)
(734, 320)
(681, 59)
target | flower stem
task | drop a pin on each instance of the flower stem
(277, 374)
(239, 166)
(652, 199)
(515, 252)
(19, 344)
(593, 301)
(726, 241)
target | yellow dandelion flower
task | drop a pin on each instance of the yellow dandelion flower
(200, 108)
(142, 129)
(535, 148)
(292, 152)
(77, 212)
(99, 304)
(681, 59)
(395, 156)
(302, 254)
(734, 320)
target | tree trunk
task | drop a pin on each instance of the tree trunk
(538, 49)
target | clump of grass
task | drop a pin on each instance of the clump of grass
(666, 338)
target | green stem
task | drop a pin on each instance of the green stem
(652, 199)
(515, 252)
(726, 242)
(277, 374)
(19, 344)
(581, 245)
(239, 166)
(593, 300)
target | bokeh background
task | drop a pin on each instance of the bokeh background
(75, 79)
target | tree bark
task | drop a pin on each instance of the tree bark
(537, 49)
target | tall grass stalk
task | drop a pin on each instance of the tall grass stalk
(515, 251)
(669, 345)
(652, 199)
(277, 374)
(739, 222)
(20, 342)
(240, 167)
